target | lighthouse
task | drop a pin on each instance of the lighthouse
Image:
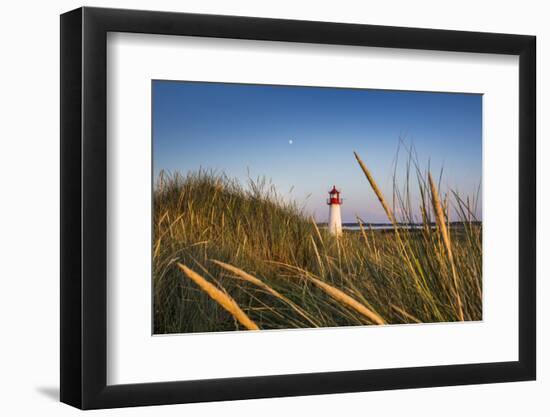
(334, 214)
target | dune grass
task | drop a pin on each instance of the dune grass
(228, 256)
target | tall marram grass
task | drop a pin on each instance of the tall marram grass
(229, 256)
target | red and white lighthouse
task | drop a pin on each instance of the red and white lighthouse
(334, 214)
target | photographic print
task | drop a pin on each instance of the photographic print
(288, 207)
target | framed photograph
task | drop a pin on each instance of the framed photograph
(257, 208)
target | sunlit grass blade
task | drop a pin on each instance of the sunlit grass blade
(375, 188)
(220, 297)
(256, 281)
(442, 226)
(341, 296)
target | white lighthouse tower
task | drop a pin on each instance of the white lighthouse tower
(334, 214)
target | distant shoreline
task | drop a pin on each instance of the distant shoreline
(401, 225)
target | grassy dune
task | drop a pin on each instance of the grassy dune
(232, 257)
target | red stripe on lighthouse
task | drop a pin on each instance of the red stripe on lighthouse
(334, 196)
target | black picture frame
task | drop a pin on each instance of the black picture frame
(84, 207)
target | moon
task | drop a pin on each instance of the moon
(290, 142)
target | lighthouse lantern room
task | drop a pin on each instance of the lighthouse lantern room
(334, 214)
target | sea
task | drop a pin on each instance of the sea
(389, 226)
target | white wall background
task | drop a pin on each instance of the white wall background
(29, 209)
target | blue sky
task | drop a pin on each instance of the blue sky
(303, 138)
